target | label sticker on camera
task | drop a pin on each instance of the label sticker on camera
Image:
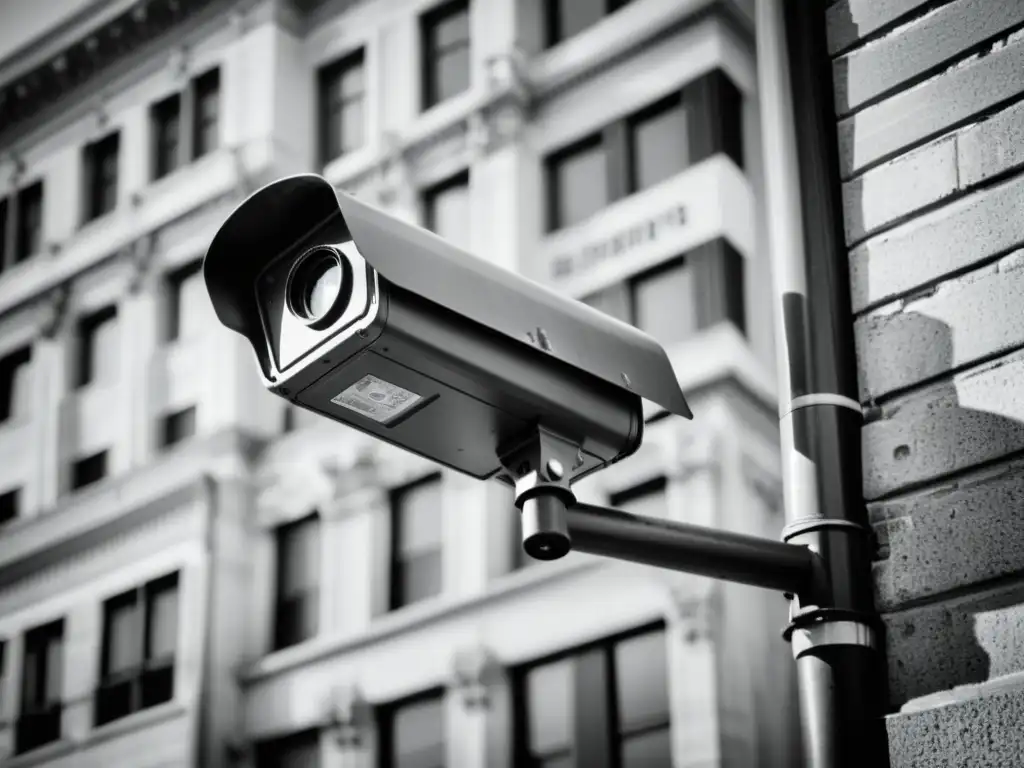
(377, 399)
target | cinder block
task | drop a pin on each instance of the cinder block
(850, 20)
(931, 246)
(993, 146)
(896, 189)
(950, 537)
(918, 47)
(966, 320)
(949, 427)
(983, 732)
(933, 107)
(971, 640)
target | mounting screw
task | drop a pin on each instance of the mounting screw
(555, 469)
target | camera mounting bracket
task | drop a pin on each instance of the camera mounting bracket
(541, 468)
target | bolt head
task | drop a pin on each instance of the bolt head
(555, 469)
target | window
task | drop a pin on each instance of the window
(297, 750)
(658, 145)
(28, 240)
(446, 210)
(188, 303)
(88, 470)
(21, 225)
(140, 638)
(578, 180)
(178, 426)
(416, 542)
(297, 614)
(604, 706)
(342, 106)
(413, 733)
(101, 159)
(15, 384)
(9, 504)
(648, 498)
(166, 120)
(643, 149)
(682, 296)
(446, 64)
(98, 347)
(206, 124)
(567, 18)
(39, 718)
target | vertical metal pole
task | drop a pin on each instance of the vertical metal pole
(832, 631)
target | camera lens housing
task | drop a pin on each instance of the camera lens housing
(319, 286)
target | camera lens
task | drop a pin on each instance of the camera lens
(318, 285)
(323, 286)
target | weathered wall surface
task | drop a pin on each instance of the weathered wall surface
(929, 99)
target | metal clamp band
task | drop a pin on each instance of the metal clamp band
(806, 526)
(822, 398)
(807, 638)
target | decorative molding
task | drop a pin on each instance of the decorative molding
(140, 255)
(60, 72)
(693, 615)
(349, 716)
(475, 671)
(54, 310)
(178, 63)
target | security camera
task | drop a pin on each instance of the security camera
(383, 326)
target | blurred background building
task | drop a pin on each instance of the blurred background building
(193, 572)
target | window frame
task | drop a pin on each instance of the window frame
(159, 121)
(88, 323)
(95, 153)
(206, 85)
(170, 434)
(599, 652)
(11, 364)
(386, 715)
(712, 110)
(139, 600)
(272, 753)
(430, 55)
(330, 76)
(36, 643)
(285, 635)
(553, 34)
(78, 466)
(396, 599)
(174, 283)
(431, 194)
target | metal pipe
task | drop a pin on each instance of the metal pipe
(832, 631)
(690, 548)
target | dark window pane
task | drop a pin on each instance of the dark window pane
(550, 707)
(641, 677)
(580, 184)
(419, 577)
(659, 146)
(189, 310)
(10, 502)
(576, 15)
(418, 510)
(206, 131)
(418, 734)
(652, 749)
(299, 750)
(30, 222)
(298, 574)
(178, 426)
(447, 210)
(166, 120)
(341, 105)
(15, 384)
(98, 347)
(665, 305)
(162, 620)
(446, 48)
(122, 635)
(88, 470)
(101, 159)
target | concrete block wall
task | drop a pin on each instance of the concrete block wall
(929, 102)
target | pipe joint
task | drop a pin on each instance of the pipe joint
(829, 632)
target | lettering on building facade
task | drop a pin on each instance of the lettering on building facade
(620, 244)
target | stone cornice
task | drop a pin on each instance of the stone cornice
(58, 72)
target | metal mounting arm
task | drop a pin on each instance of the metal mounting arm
(676, 546)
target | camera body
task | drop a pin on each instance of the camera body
(383, 326)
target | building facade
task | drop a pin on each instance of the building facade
(193, 572)
(929, 120)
